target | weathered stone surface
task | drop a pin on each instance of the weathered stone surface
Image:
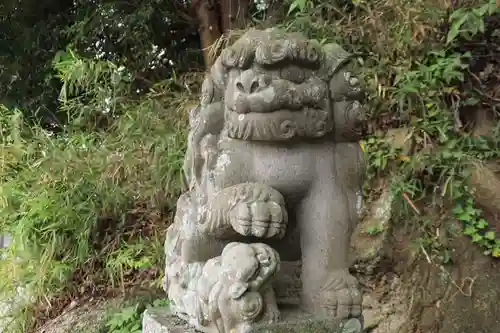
(10, 304)
(11, 301)
(461, 297)
(274, 172)
(401, 138)
(372, 234)
(84, 317)
(389, 313)
(485, 181)
(92, 315)
(410, 292)
(162, 320)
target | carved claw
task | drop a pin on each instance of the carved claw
(272, 314)
(263, 219)
(340, 297)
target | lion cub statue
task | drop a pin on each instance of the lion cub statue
(274, 170)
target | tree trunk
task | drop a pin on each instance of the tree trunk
(234, 14)
(208, 24)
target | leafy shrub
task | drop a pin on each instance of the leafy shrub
(129, 319)
(415, 69)
(89, 206)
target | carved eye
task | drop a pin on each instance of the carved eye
(345, 85)
(351, 79)
(279, 50)
(229, 58)
(268, 54)
(313, 53)
(246, 54)
(293, 74)
(356, 92)
(354, 82)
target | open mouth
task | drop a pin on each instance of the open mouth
(274, 111)
(253, 108)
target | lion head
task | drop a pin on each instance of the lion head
(277, 86)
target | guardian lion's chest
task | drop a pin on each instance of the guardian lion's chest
(287, 168)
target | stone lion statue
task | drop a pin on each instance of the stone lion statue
(273, 162)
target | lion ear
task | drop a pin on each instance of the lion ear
(237, 289)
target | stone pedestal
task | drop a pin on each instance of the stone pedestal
(161, 320)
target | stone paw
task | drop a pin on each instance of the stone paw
(272, 314)
(340, 297)
(262, 219)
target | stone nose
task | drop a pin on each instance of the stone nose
(249, 82)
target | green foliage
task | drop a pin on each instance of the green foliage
(129, 319)
(89, 205)
(476, 226)
(375, 230)
(29, 39)
(381, 154)
(300, 6)
(414, 71)
(468, 22)
(150, 38)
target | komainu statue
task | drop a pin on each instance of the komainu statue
(274, 170)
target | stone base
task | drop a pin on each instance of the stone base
(161, 320)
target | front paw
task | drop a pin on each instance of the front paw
(340, 296)
(272, 314)
(262, 219)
